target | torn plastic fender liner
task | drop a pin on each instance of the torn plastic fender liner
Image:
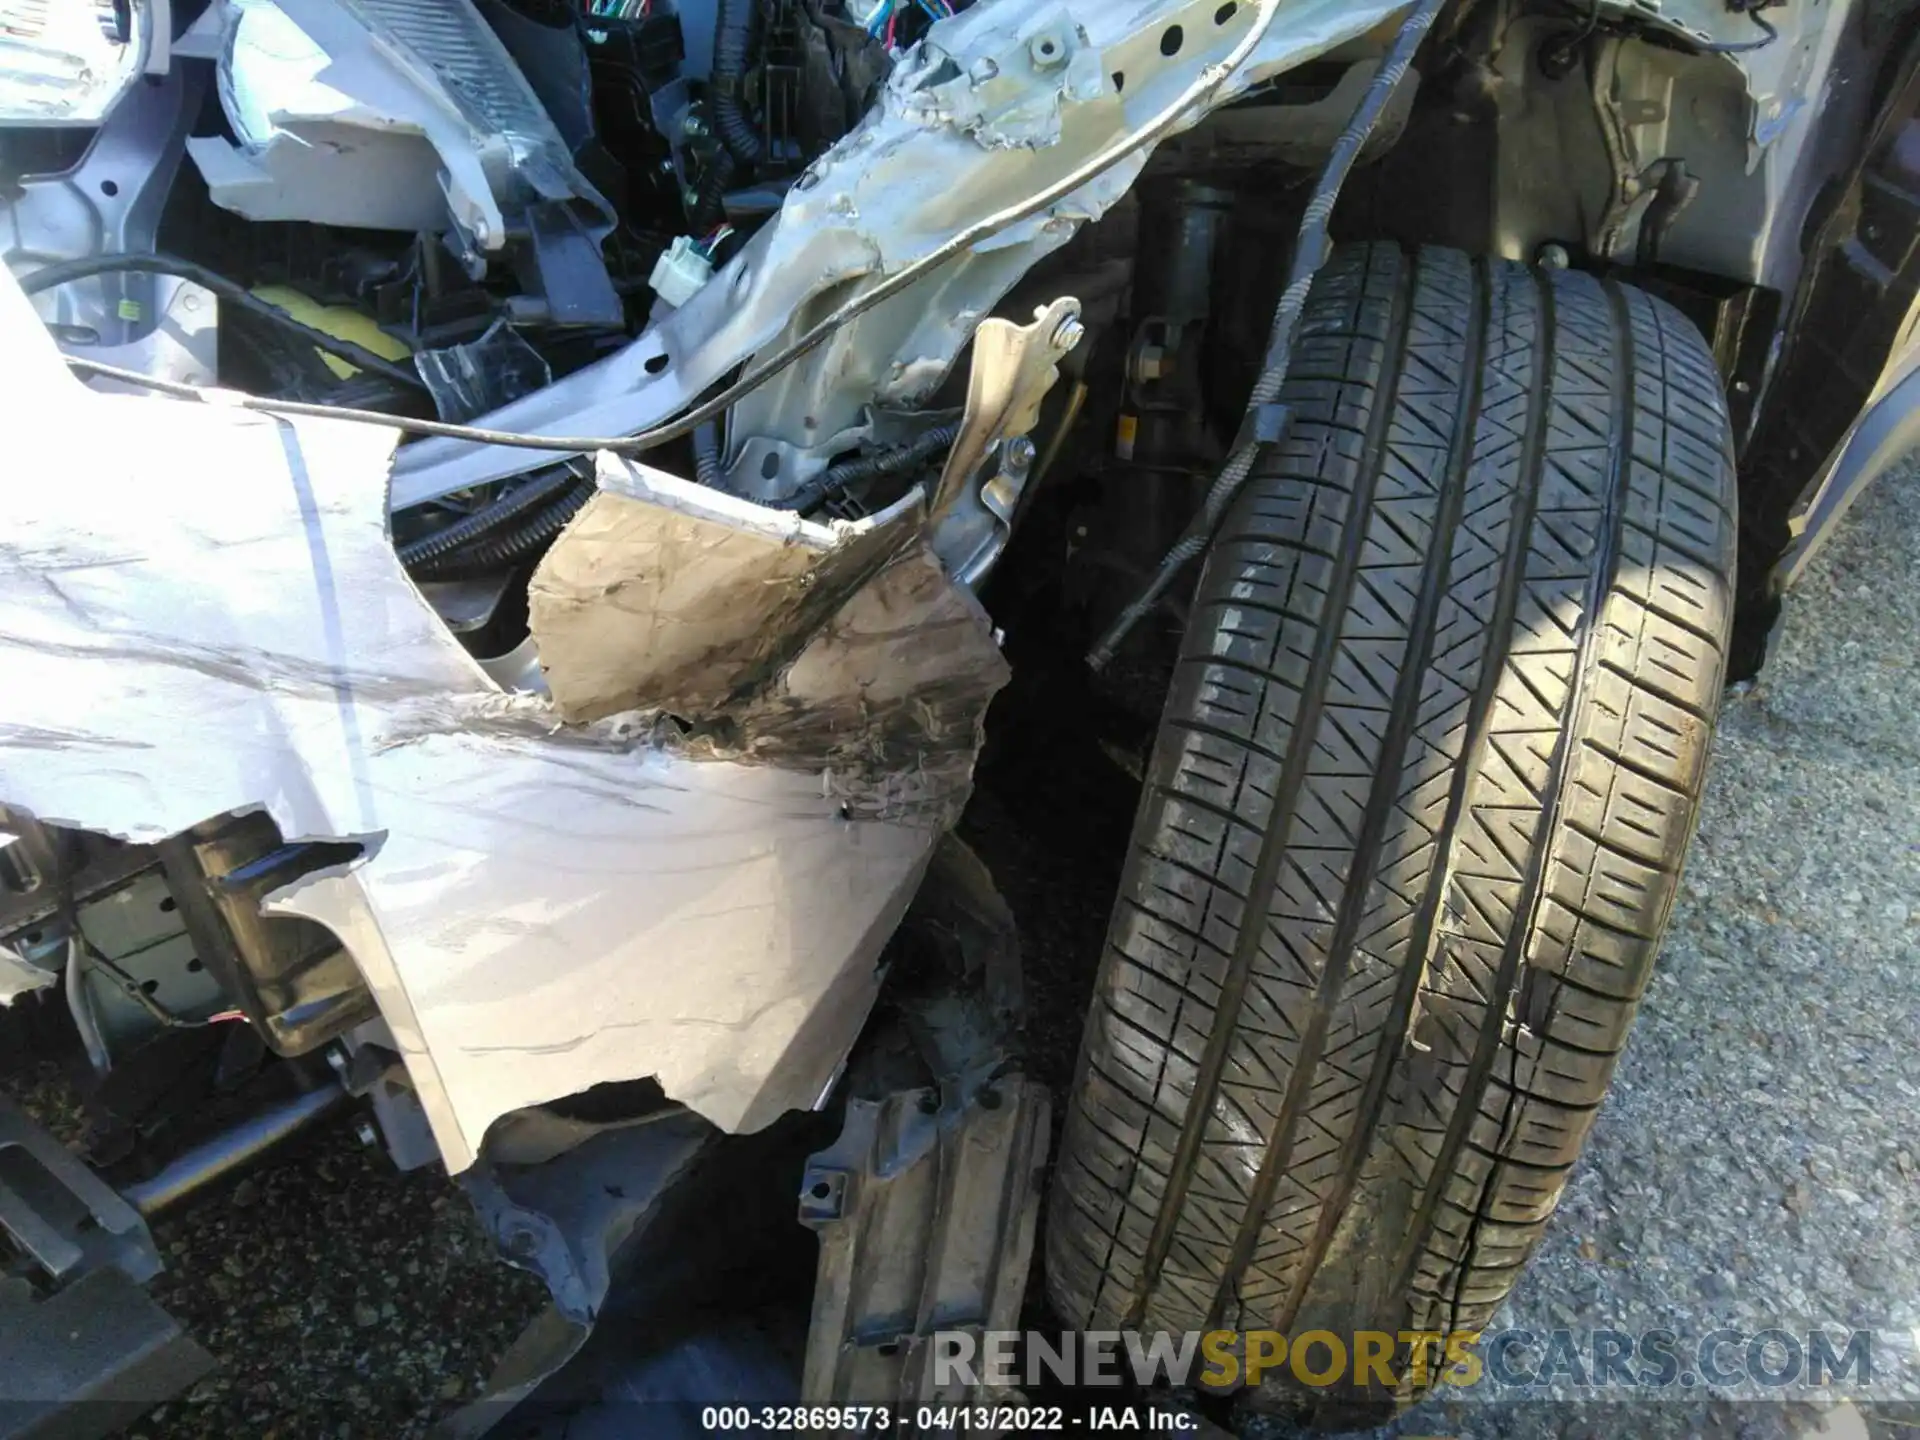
(204, 614)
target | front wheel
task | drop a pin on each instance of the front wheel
(1417, 813)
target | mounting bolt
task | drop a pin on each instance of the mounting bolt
(1048, 50)
(1554, 257)
(522, 1241)
(366, 1134)
(1018, 455)
(1068, 333)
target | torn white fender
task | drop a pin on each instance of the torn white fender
(200, 612)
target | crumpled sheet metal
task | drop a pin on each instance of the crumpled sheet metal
(927, 162)
(202, 613)
(971, 122)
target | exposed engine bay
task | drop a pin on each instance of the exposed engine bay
(588, 728)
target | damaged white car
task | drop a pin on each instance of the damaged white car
(519, 511)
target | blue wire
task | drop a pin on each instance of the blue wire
(877, 21)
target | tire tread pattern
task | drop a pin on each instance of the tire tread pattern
(1416, 818)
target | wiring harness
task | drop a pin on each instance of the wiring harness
(65, 272)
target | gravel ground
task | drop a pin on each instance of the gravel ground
(340, 1297)
(1755, 1165)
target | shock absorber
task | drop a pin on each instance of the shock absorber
(1161, 447)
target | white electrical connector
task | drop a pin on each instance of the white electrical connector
(681, 272)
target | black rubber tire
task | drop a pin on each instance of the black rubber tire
(1425, 780)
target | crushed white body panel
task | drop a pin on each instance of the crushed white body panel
(209, 617)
